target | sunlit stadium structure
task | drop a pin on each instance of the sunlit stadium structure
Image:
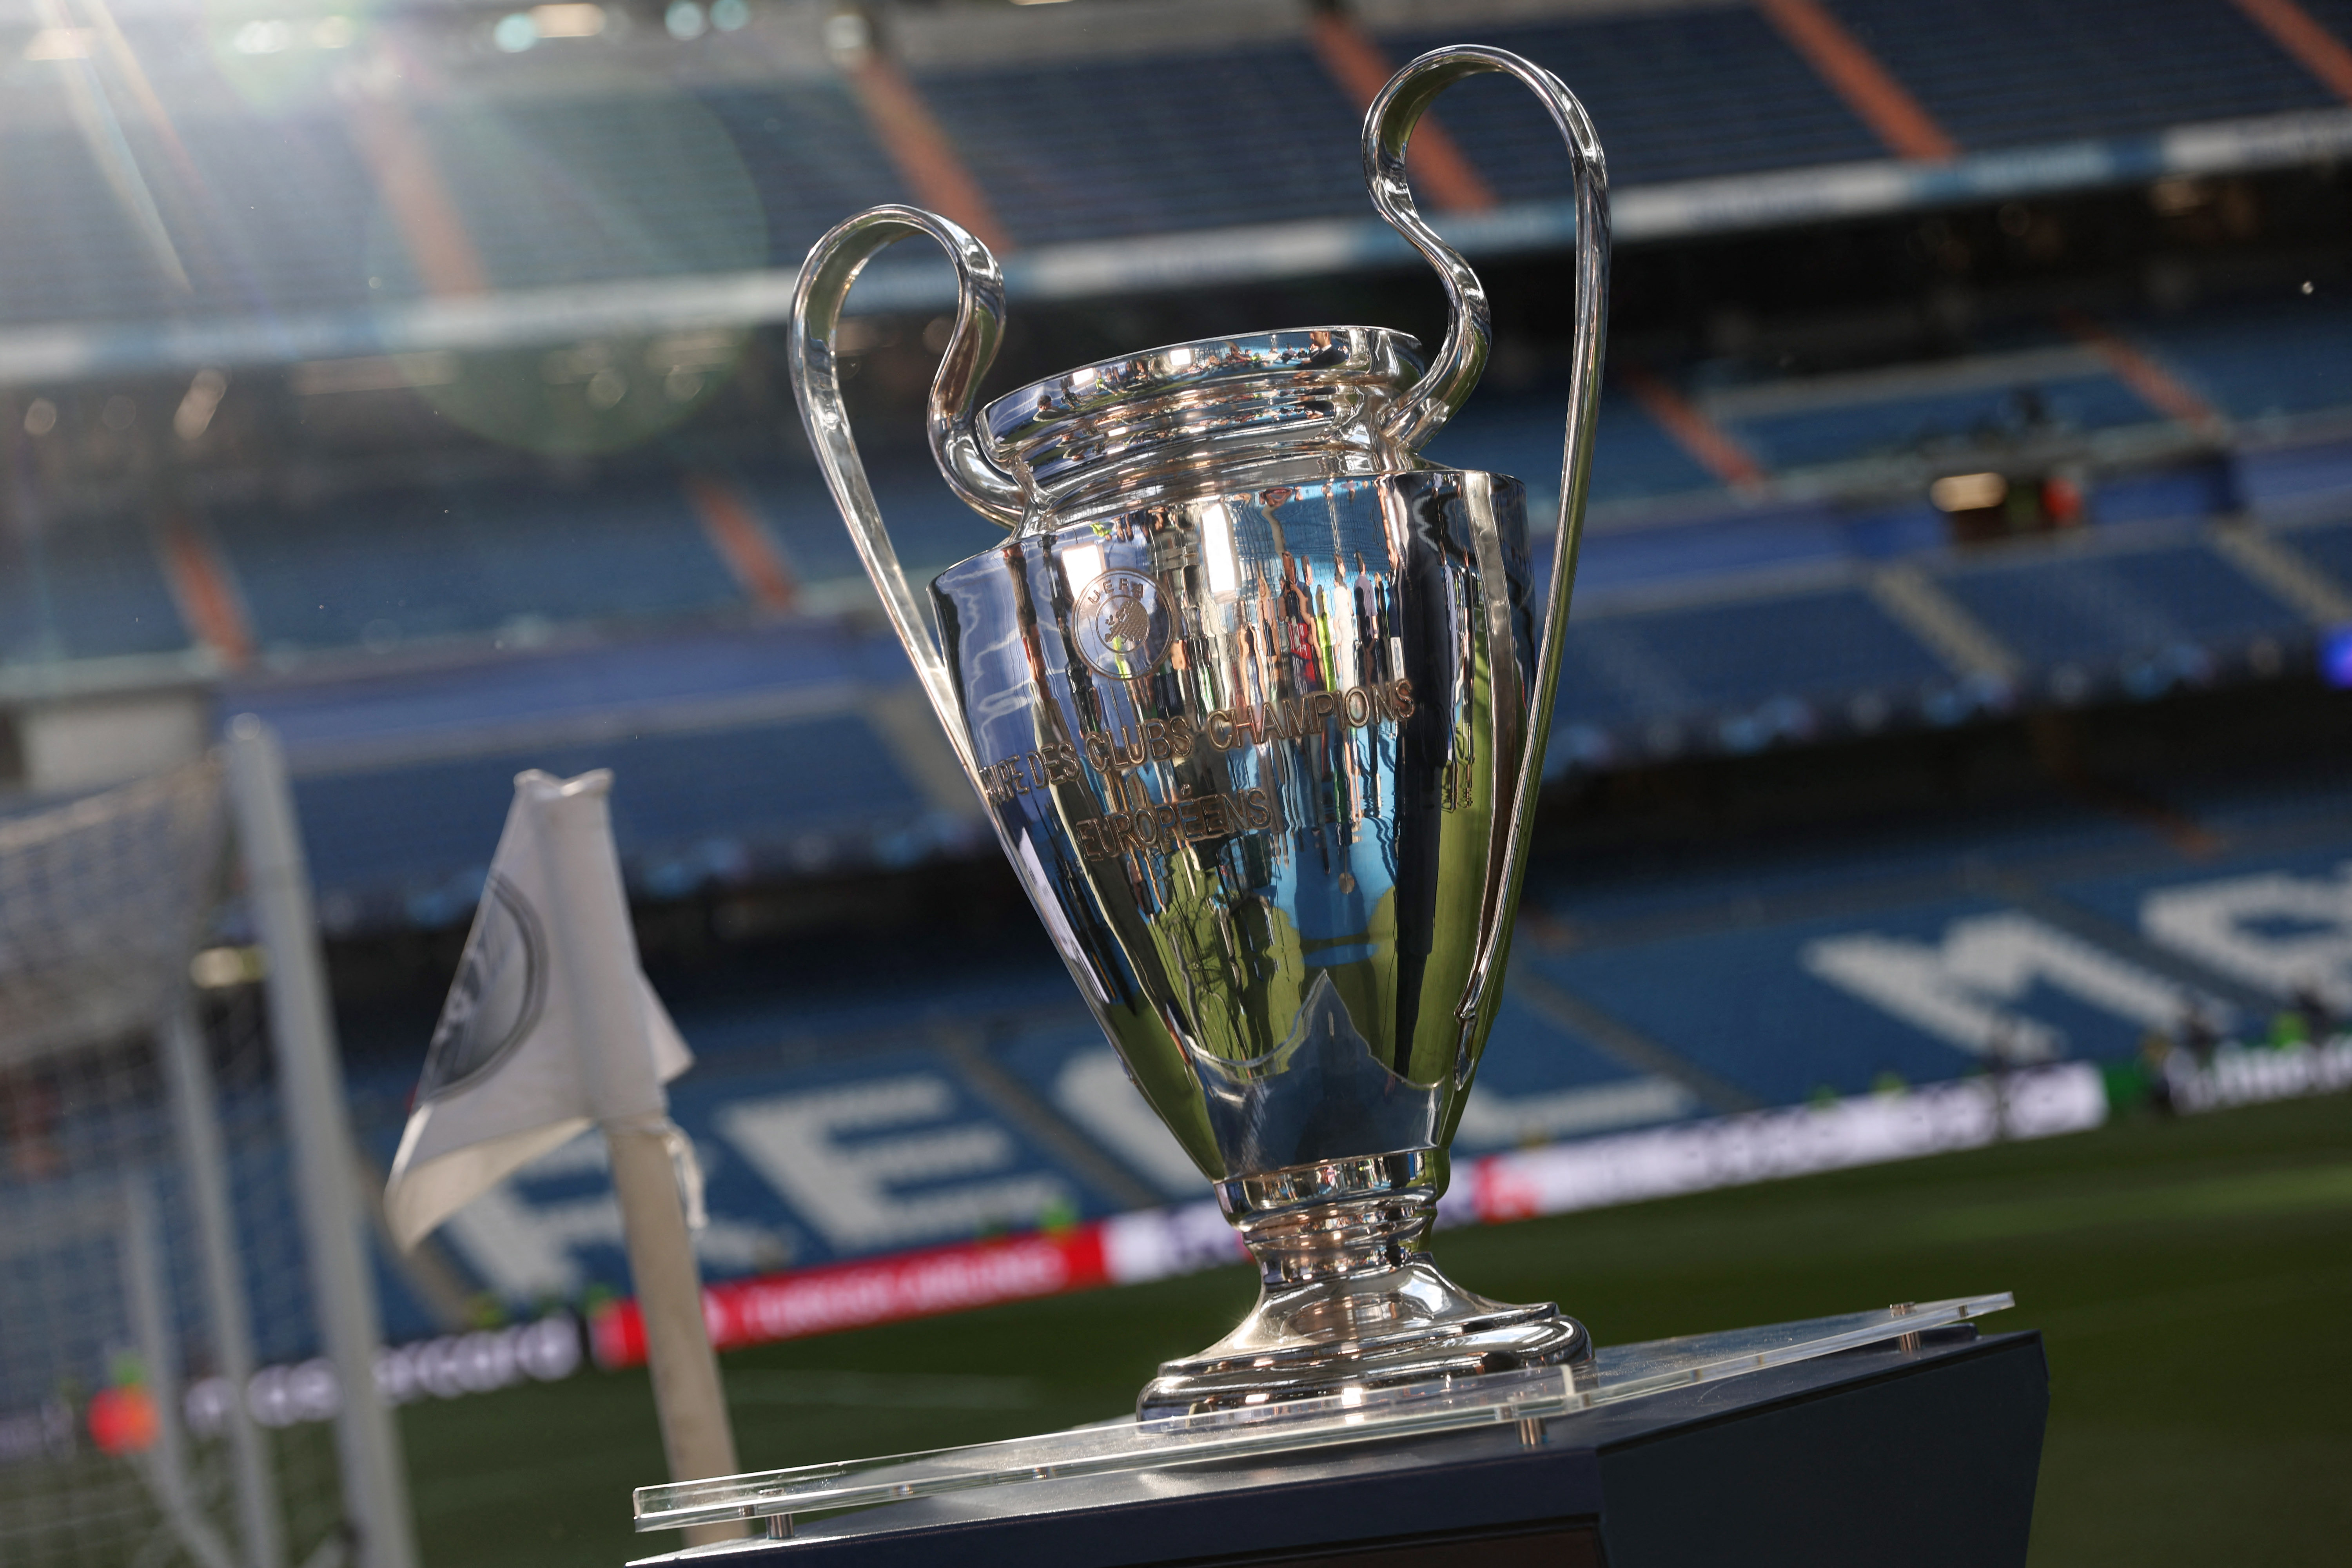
(1981, 380)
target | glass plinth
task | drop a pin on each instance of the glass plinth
(1618, 1373)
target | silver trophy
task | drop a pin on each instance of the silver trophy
(1257, 699)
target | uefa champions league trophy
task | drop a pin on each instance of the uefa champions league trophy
(1257, 699)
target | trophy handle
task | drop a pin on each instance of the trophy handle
(825, 278)
(1387, 126)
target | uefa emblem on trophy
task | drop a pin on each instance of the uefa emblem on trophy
(1121, 625)
(1257, 699)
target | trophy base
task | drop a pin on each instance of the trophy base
(1348, 1302)
(1373, 1328)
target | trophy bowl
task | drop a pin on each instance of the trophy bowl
(1258, 700)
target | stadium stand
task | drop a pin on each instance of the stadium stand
(673, 163)
(1760, 667)
(1763, 568)
(82, 588)
(1689, 94)
(1520, 434)
(1602, 1029)
(692, 803)
(1713, 613)
(1157, 164)
(2284, 483)
(2009, 73)
(479, 568)
(1708, 619)
(384, 569)
(268, 214)
(2328, 546)
(2261, 366)
(403, 778)
(1946, 425)
(1753, 648)
(1726, 545)
(573, 191)
(2157, 612)
(804, 195)
(2167, 493)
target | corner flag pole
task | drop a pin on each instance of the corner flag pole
(697, 1437)
(696, 1434)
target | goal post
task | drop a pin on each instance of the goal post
(187, 1075)
(311, 1100)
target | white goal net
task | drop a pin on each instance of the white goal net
(151, 1252)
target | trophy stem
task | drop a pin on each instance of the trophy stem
(1340, 1217)
(1348, 1299)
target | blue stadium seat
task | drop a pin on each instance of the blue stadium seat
(1861, 864)
(84, 587)
(2296, 478)
(1684, 94)
(446, 706)
(799, 511)
(1521, 434)
(2263, 361)
(1812, 646)
(1886, 530)
(1727, 544)
(686, 809)
(564, 190)
(1258, 133)
(256, 213)
(2190, 489)
(1531, 1057)
(1737, 676)
(282, 205)
(2327, 546)
(1606, 684)
(2005, 73)
(810, 155)
(72, 251)
(931, 529)
(267, 212)
(2100, 608)
(1954, 423)
(2118, 896)
(467, 562)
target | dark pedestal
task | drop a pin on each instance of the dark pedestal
(1881, 1456)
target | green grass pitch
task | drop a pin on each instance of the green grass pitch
(2193, 1278)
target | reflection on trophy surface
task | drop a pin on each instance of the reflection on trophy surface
(1256, 699)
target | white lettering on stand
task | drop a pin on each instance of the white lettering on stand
(1958, 991)
(2220, 924)
(848, 1190)
(525, 1250)
(1096, 1093)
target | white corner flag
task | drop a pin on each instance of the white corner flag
(549, 1026)
(552, 1028)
